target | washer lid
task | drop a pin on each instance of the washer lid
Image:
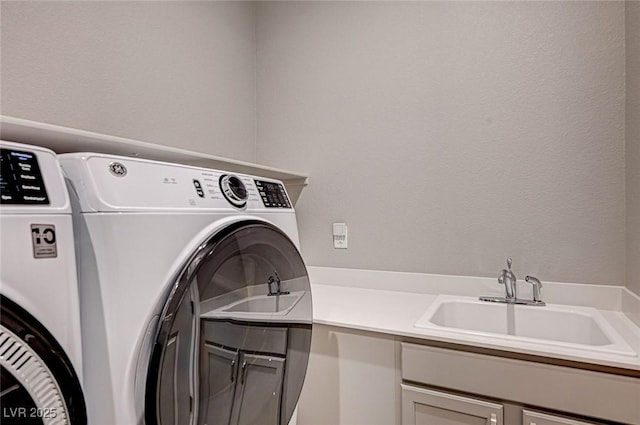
(235, 332)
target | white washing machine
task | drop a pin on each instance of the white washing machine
(195, 301)
(40, 347)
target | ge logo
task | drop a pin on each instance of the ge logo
(118, 169)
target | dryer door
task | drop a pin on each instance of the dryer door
(39, 384)
(234, 335)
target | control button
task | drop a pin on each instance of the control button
(234, 190)
(31, 187)
(37, 199)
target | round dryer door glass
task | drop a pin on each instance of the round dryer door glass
(235, 333)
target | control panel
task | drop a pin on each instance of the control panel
(21, 179)
(273, 194)
(207, 185)
(128, 184)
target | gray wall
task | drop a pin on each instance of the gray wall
(175, 73)
(633, 144)
(451, 135)
(447, 135)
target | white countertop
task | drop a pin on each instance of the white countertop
(354, 299)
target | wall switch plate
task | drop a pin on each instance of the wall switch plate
(340, 235)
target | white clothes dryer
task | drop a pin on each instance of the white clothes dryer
(196, 304)
(40, 347)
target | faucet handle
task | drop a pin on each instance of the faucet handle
(505, 272)
(502, 276)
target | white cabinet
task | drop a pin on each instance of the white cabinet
(352, 379)
(358, 377)
(218, 369)
(579, 392)
(531, 417)
(424, 406)
(242, 389)
(243, 374)
(421, 406)
(258, 390)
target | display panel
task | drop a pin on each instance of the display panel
(21, 180)
(273, 194)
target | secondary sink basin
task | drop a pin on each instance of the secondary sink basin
(568, 326)
(265, 304)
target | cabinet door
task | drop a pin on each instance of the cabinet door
(531, 417)
(258, 390)
(217, 385)
(421, 406)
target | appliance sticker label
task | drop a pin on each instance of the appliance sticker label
(43, 237)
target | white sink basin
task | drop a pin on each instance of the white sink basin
(265, 304)
(568, 326)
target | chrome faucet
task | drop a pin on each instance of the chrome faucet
(509, 280)
(274, 280)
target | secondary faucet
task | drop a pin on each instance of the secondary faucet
(509, 280)
(536, 289)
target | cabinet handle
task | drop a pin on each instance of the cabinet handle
(243, 371)
(233, 367)
(494, 419)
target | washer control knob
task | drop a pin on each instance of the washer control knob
(234, 190)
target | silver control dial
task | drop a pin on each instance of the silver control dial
(234, 190)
